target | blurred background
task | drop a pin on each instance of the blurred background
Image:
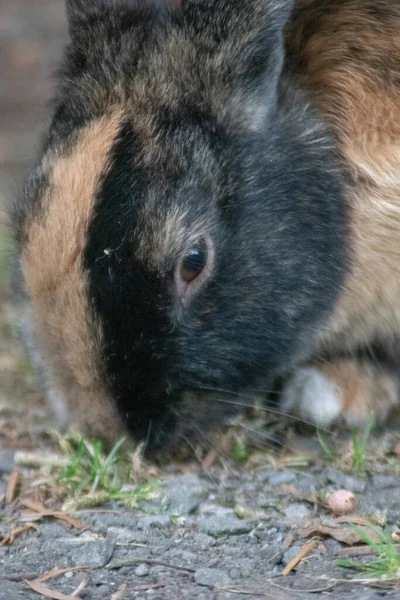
(32, 35)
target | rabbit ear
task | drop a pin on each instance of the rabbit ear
(244, 50)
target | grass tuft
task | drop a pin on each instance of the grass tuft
(91, 474)
(388, 562)
(323, 443)
(360, 444)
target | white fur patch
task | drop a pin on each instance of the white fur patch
(312, 396)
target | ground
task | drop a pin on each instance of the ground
(225, 526)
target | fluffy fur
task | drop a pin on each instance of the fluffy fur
(270, 130)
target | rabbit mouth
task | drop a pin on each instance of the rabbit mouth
(191, 418)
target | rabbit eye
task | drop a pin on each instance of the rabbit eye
(194, 262)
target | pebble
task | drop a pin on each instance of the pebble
(153, 521)
(185, 492)
(204, 540)
(348, 482)
(211, 577)
(290, 554)
(280, 477)
(189, 556)
(93, 554)
(333, 546)
(385, 481)
(6, 461)
(235, 574)
(142, 570)
(297, 513)
(218, 525)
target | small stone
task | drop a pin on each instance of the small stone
(211, 577)
(273, 554)
(297, 513)
(235, 574)
(185, 492)
(229, 524)
(142, 570)
(205, 541)
(6, 461)
(189, 556)
(290, 554)
(385, 481)
(52, 530)
(333, 546)
(280, 477)
(348, 482)
(150, 521)
(93, 554)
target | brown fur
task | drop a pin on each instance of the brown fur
(350, 63)
(359, 388)
(348, 58)
(61, 319)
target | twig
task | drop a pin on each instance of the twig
(307, 591)
(16, 577)
(81, 586)
(119, 594)
(41, 511)
(9, 539)
(234, 590)
(360, 551)
(11, 486)
(149, 561)
(300, 555)
(150, 586)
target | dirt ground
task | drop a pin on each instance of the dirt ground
(212, 529)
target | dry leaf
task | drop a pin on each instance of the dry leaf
(41, 511)
(47, 592)
(341, 534)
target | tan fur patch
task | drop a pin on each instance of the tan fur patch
(56, 283)
(350, 63)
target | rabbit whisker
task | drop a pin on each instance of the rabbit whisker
(266, 410)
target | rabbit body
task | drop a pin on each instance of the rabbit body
(216, 208)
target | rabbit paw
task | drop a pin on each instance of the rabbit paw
(341, 391)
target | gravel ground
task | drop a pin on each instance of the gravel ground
(210, 533)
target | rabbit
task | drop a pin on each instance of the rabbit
(216, 209)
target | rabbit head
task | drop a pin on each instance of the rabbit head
(182, 237)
